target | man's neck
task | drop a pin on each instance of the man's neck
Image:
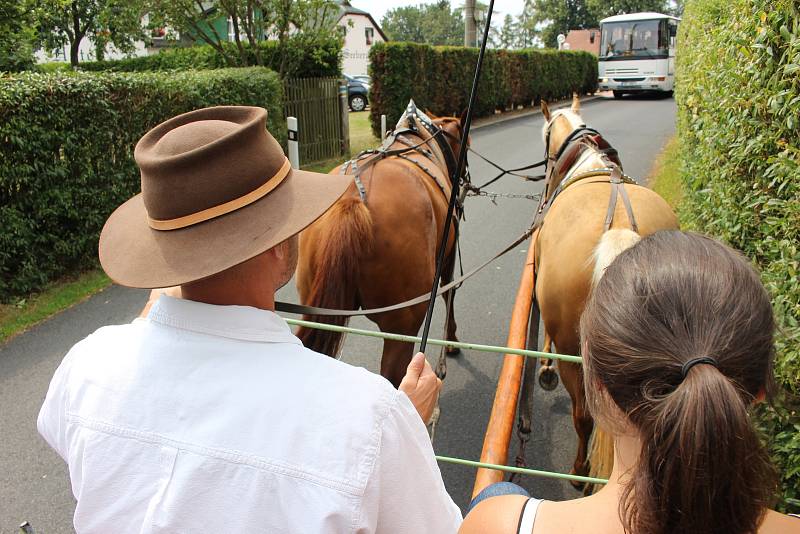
(262, 298)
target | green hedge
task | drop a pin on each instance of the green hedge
(302, 60)
(738, 93)
(66, 156)
(439, 78)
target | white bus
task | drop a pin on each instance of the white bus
(637, 53)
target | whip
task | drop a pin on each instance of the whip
(455, 180)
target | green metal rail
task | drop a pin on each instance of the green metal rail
(465, 346)
(522, 470)
(414, 339)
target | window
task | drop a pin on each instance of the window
(369, 33)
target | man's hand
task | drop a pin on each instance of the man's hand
(422, 386)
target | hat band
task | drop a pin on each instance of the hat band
(222, 209)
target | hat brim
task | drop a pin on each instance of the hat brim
(135, 255)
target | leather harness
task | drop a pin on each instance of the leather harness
(578, 143)
(419, 126)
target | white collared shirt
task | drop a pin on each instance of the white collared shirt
(215, 419)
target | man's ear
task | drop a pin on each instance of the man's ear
(545, 111)
(279, 251)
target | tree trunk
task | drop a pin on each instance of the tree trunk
(74, 48)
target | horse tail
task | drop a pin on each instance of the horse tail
(612, 243)
(348, 238)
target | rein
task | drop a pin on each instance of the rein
(289, 307)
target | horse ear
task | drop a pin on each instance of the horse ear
(462, 119)
(576, 103)
(545, 111)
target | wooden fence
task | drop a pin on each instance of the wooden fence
(321, 115)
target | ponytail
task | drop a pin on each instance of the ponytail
(702, 468)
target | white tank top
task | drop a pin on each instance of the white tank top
(528, 516)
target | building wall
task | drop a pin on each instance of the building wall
(355, 53)
(582, 40)
(86, 52)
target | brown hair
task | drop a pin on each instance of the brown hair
(669, 299)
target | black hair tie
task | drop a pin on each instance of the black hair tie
(697, 361)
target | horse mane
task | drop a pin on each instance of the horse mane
(573, 118)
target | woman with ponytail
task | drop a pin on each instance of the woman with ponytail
(677, 342)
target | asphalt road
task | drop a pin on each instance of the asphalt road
(34, 484)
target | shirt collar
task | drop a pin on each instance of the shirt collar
(236, 322)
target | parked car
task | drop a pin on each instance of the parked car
(357, 93)
(363, 78)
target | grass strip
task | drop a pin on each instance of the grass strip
(665, 178)
(17, 317)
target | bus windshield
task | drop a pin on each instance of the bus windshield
(638, 38)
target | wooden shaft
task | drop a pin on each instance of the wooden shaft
(501, 421)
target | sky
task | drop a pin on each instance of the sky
(378, 8)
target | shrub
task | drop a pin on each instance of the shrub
(303, 60)
(66, 156)
(738, 94)
(439, 78)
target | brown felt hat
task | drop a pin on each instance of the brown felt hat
(217, 190)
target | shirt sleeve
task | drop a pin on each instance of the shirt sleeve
(405, 492)
(52, 420)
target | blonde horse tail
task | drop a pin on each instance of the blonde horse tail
(347, 238)
(612, 243)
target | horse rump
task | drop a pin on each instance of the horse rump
(344, 237)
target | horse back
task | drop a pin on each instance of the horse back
(565, 249)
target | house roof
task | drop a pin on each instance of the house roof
(346, 9)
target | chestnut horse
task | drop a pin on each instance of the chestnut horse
(377, 245)
(573, 248)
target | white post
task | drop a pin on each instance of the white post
(383, 127)
(294, 150)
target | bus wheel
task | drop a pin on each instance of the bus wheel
(618, 94)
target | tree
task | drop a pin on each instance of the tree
(16, 37)
(435, 24)
(506, 38)
(560, 16)
(68, 22)
(251, 22)
(601, 9)
(676, 8)
(527, 31)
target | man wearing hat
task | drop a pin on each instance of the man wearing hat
(208, 415)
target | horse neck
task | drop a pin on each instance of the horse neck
(439, 151)
(590, 159)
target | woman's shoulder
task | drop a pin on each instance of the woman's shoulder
(777, 523)
(494, 516)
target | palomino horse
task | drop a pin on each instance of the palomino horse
(377, 245)
(584, 228)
